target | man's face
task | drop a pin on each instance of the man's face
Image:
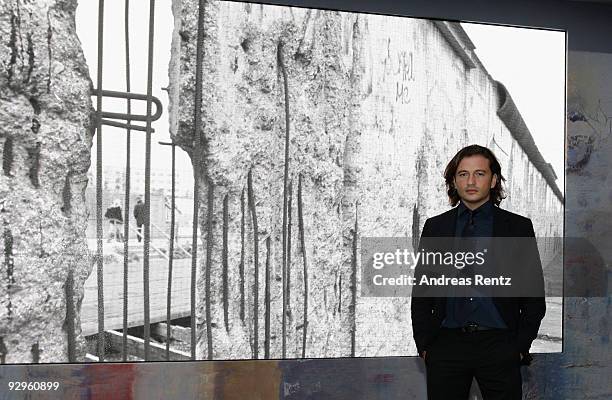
(474, 180)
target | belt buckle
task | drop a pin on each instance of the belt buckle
(470, 328)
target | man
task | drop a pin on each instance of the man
(115, 221)
(139, 216)
(486, 338)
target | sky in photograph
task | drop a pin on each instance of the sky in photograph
(529, 62)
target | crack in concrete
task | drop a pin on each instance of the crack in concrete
(7, 156)
(66, 196)
(13, 46)
(9, 265)
(35, 350)
(3, 351)
(34, 164)
(49, 52)
(30, 51)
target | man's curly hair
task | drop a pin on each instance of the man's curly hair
(497, 193)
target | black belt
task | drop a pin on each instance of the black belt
(472, 327)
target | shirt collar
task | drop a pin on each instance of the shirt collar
(484, 210)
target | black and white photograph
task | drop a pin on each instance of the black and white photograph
(199, 188)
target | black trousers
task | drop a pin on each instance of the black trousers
(139, 232)
(456, 357)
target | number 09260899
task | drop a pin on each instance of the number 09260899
(33, 386)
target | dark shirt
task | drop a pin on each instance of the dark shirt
(483, 312)
(114, 213)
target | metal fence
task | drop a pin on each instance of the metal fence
(128, 122)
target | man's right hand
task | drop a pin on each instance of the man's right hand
(424, 355)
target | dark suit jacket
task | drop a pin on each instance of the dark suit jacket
(522, 315)
(139, 213)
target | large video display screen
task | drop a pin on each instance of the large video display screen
(322, 135)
